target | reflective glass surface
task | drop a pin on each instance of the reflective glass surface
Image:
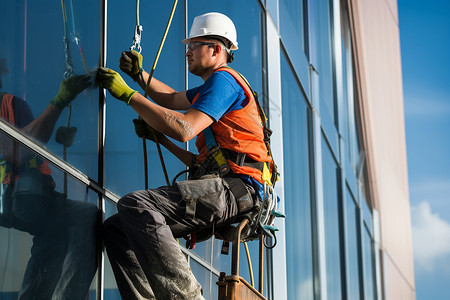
(124, 159)
(41, 55)
(291, 24)
(347, 120)
(353, 253)
(110, 291)
(297, 188)
(206, 279)
(48, 246)
(367, 214)
(332, 228)
(272, 8)
(369, 270)
(322, 59)
(292, 31)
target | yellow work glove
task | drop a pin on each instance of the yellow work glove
(143, 130)
(131, 63)
(115, 84)
(69, 89)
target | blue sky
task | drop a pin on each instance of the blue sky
(425, 46)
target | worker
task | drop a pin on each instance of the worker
(140, 239)
(63, 253)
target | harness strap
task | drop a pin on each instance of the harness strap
(214, 150)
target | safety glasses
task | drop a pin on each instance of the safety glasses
(194, 45)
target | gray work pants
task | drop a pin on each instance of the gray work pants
(141, 246)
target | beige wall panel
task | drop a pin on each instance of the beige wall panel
(378, 51)
(397, 287)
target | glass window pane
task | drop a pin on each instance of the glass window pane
(124, 166)
(291, 25)
(111, 292)
(322, 61)
(367, 214)
(272, 8)
(348, 119)
(36, 58)
(297, 191)
(332, 228)
(353, 244)
(205, 278)
(369, 271)
(48, 246)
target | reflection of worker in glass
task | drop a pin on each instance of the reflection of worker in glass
(62, 262)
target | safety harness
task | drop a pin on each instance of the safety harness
(217, 161)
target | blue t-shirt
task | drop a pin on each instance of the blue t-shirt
(219, 95)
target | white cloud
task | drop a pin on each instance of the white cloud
(431, 237)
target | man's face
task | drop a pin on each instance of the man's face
(200, 55)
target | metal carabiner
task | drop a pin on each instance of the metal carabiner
(137, 39)
(68, 59)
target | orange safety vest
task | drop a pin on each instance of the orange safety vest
(7, 114)
(240, 131)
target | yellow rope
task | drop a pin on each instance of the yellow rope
(145, 95)
(250, 268)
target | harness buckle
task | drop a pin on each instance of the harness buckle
(214, 150)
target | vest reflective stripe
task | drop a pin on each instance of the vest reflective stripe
(240, 131)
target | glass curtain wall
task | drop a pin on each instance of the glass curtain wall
(46, 46)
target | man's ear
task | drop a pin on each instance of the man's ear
(218, 50)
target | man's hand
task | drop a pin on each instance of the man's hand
(69, 90)
(115, 84)
(143, 130)
(131, 63)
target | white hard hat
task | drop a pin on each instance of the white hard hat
(214, 24)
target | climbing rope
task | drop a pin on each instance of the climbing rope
(136, 45)
(66, 134)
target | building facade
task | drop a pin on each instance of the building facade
(328, 74)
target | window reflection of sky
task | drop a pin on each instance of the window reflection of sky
(296, 185)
